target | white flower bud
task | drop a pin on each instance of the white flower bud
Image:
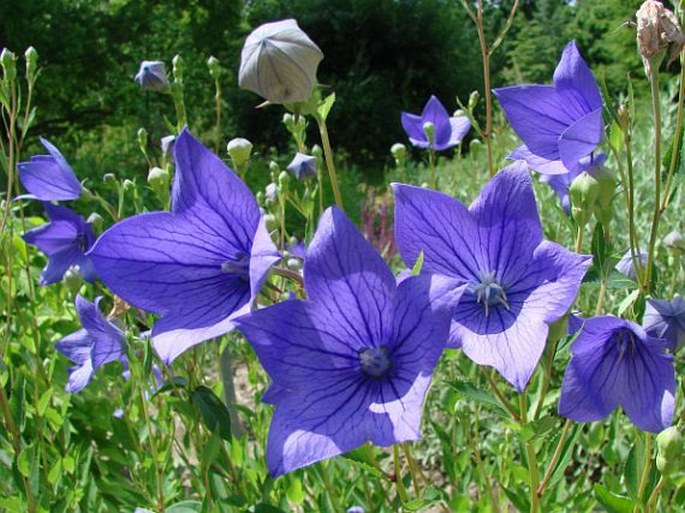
(279, 62)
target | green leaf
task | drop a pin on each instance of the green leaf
(600, 252)
(185, 507)
(213, 411)
(616, 136)
(612, 502)
(295, 493)
(479, 395)
(43, 402)
(628, 302)
(325, 106)
(416, 269)
(518, 499)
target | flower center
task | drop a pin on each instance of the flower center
(238, 266)
(489, 293)
(625, 340)
(81, 242)
(375, 362)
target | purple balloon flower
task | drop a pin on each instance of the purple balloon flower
(97, 343)
(152, 76)
(666, 319)
(559, 124)
(517, 283)
(49, 177)
(65, 240)
(625, 264)
(354, 362)
(303, 166)
(614, 362)
(198, 266)
(448, 131)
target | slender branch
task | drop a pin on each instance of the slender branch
(555, 459)
(502, 399)
(656, 107)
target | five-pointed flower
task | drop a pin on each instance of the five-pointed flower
(152, 76)
(353, 362)
(614, 362)
(517, 283)
(303, 166)
(559, 124)
(49, 177)
(200, 265)
(97, 343)
(65, 240)
(448, 131)
(666, 319)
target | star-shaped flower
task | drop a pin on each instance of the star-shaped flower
(666, 319)
(198, 266)
(303, 166)
(353, 362)
(97, 343)
(614, 362)
(65, 240)
(517, 283)
(448, 131)
(49, 177)
(559, 124)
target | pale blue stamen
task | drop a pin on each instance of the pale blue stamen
(489, 293)
(239, 265)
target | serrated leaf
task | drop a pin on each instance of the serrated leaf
(213, 411)
(612, 502)
(479, 395)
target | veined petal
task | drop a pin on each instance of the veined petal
(263, 255)
(647, 391)
(76, 346)
(210, 195)
(581, 138)
(106, 338)
(297, 344)
(49, 178)
(538, 115)
(508, 222)
(60, 262)
(536, 163)
(79, 377)
(573, 73)
(344, 274)
(438, 225)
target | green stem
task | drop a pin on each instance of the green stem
(401, 491)
(229, 391)
(330, 164)
(474, 442)
(485, 57)
(532, 461)
(431, 164)
(547, 378)
(329, 487)
(217, 102)
(677, 136)
(645, 472)
(656, 107)
(413, 469)
(555, 459)
(651, 503)
(502, 399)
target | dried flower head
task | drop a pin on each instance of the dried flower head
(657, 29)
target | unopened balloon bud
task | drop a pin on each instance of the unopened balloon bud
(239, 149)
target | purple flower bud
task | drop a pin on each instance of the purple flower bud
(152, 76)
(303, 166)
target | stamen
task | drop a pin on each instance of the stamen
(239, 265)
(489, 293)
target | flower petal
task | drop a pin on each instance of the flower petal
(413, 126)
(536, 163)
(460, 126)
(49, 178)
(573, 73)
(438, 225)
(344, 274)
(581, 138)
(538, 115)
(435, 113)
(106, 338)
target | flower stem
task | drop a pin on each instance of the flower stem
(532, 460)
(651, 503)
(330, 164)
(502, 399)
(413, 468)
(547, 378)
(332, 495)
(485, 57)
(677, 136)
(401, 491)
(645, 471)
(431, 164)
(229, 391)
(656, 217)
(555, 459)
